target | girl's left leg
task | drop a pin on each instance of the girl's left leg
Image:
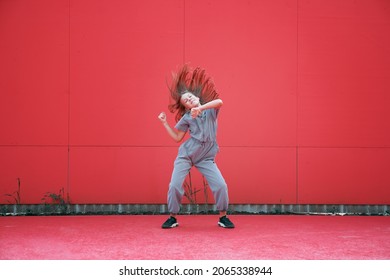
(217, 183)
(219, 188)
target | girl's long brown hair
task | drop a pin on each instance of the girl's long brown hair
(187, 80)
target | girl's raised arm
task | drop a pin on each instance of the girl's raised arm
(177, 135)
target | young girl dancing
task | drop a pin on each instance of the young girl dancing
(196, 103)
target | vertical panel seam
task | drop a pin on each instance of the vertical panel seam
(297, 111)
(184, 31)
(69, 83)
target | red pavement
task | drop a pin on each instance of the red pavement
(140, 237)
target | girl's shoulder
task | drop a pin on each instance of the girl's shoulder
(187, 115)
(185, 118)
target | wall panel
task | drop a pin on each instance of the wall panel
(34, 71)
(343, 176)
(344, 73)
(41, 170)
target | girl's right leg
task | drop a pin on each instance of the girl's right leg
(181, 168)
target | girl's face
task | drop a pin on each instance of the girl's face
(189, 100)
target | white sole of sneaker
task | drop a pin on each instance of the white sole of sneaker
(173, 225)
(222, 225)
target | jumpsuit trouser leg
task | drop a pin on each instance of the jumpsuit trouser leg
(218, 186)
(181, 169)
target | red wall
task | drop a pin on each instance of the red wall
(305, 85)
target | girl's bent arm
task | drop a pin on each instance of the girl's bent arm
(216, 103)
(176, 135)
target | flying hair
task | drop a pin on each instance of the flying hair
(195, 81)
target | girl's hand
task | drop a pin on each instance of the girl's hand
(162, 117)
(195, 112)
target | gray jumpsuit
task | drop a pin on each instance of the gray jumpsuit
(199, 151)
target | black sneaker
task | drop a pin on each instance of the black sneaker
(225, 222)
(170, 223)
